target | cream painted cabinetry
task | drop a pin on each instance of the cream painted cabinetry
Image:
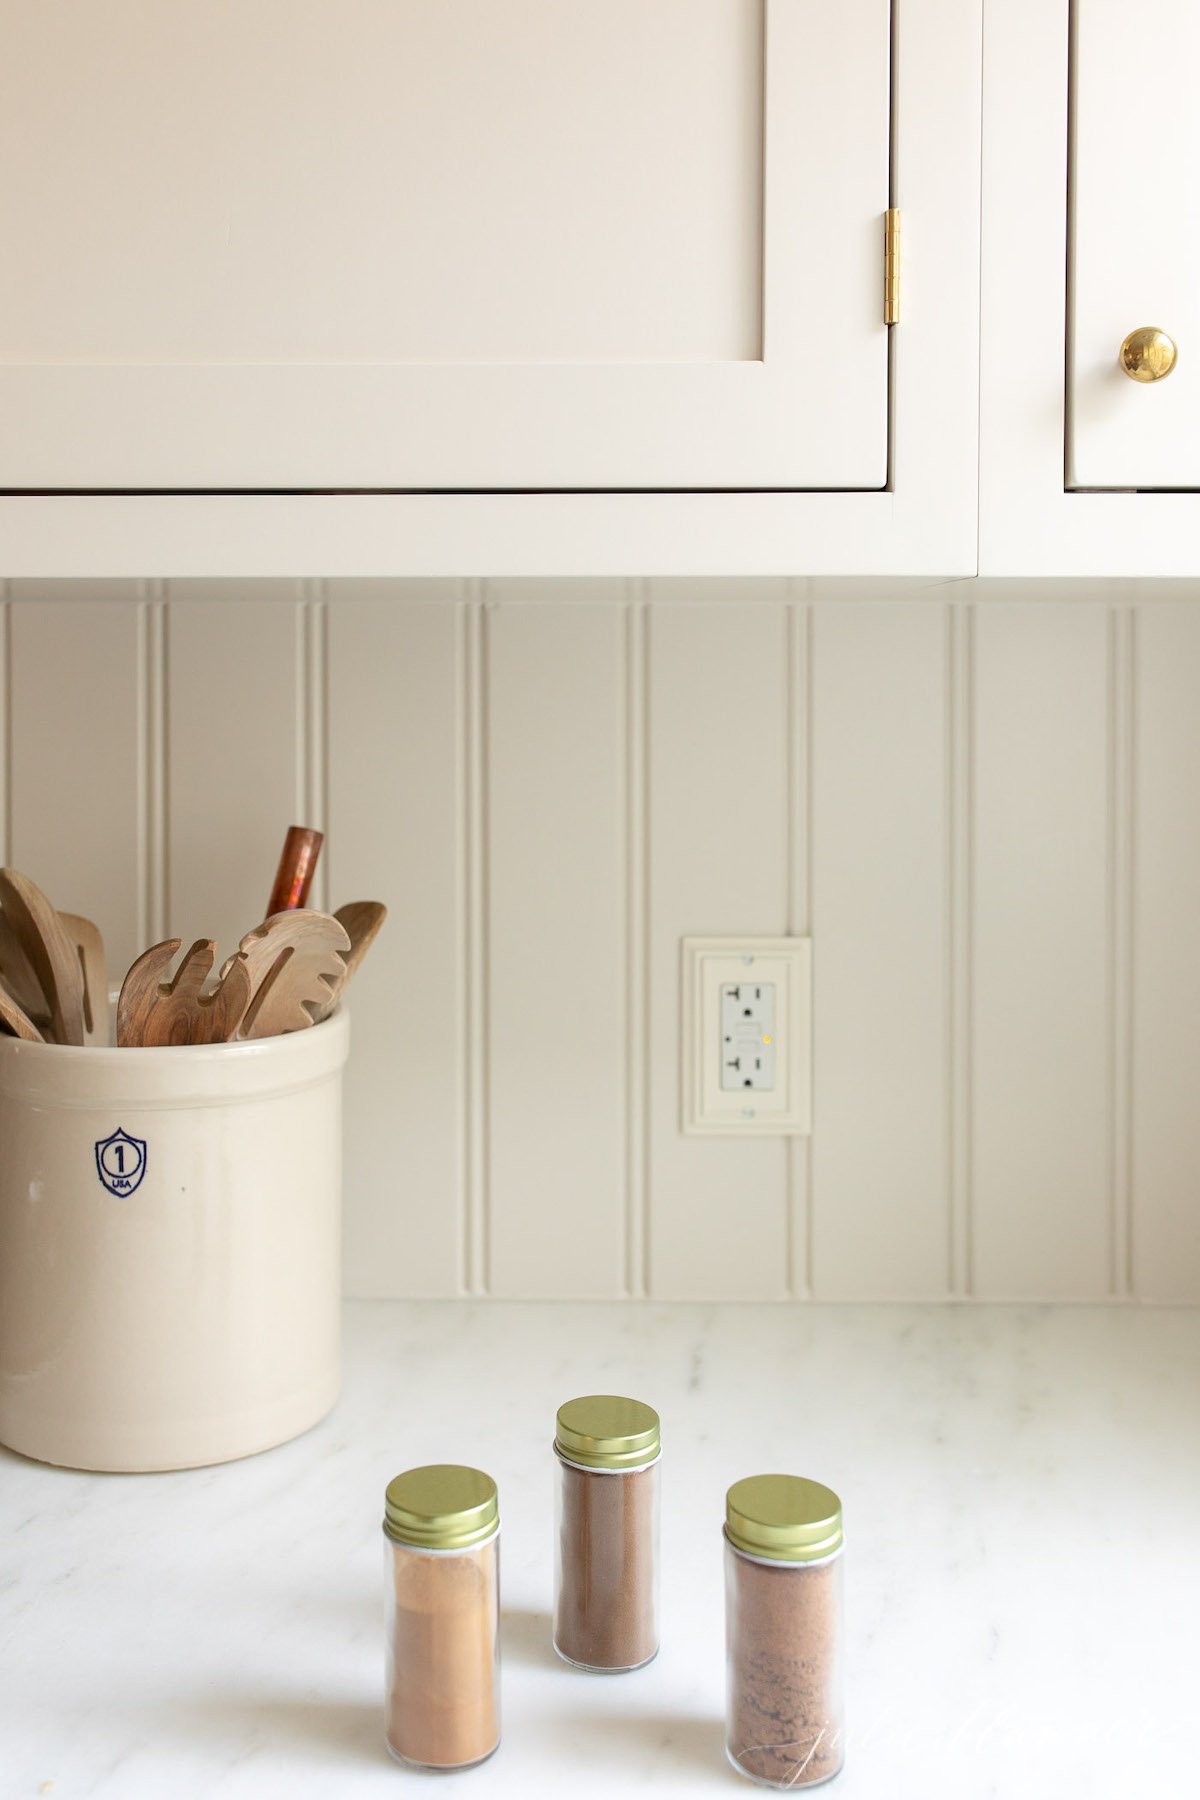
(1133, 249)
(1091, 159)
(486, 285)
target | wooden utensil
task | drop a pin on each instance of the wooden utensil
(17, 974)
(154, 1011)
(362, 921)
(89, 946)
(15, 1020)
(295, 961)
(53, 957)
(297, 866)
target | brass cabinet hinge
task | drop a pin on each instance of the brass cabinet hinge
(891, 265)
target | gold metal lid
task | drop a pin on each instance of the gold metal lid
(783, 1518)
(441, 1507)
(606, 1431)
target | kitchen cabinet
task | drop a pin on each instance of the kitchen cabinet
(1091, 147)
(469, 245)
(1133, 251)
(544, 286)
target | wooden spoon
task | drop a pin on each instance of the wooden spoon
(53, 957)
(362, 921)
(15, 1021)
(295, 959)
(89, 946)
(17, 974)
(154, 1011)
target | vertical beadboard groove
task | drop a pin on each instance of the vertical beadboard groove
(799, 917)
(152, 633)
(476, 1261)
(316, 811)
(5, 724)
(311, 712)
(635, 738)
(1121, 654)
(301, 718)
(960, 788)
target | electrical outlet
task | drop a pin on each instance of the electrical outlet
(747, 1027)
(748, 1035)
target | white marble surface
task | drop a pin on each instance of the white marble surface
(1022, 1500)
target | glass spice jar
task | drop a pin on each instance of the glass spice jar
(783, 1618)
(442, 1574)
(606, 1561)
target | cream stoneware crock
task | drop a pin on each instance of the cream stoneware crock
(170, 1247)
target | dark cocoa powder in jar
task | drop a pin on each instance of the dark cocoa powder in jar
(606, 1564)
(784, 1631)
(605, 1618)
(784, 1708)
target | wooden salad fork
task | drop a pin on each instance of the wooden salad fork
(154, 1011)
(296, 963)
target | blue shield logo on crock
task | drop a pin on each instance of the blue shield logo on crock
(121, 1162)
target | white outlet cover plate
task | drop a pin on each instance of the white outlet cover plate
(710, 1110)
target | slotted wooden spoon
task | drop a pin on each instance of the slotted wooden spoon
(89, 946)
(154, 1011)
(52, 956)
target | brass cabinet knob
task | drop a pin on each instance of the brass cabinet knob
(1148, 354)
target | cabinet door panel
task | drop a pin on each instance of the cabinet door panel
(1136, 256)
(389, 244)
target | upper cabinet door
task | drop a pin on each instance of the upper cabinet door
(444, 244)
(1135, 249)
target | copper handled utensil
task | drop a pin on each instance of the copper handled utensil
(296, 962)
(297, 866)
(153, 1011)
(362, 921)
(50, 953)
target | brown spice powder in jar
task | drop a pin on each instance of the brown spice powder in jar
(441, 1529)
(783, 1597)
(784, 1707)
(606, 1567)
(441, 1706)
(605, 1617)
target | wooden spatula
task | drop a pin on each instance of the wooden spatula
(362, 921)
(15, 1021)
(51, 954)
(89, 946)
(295, 960)
(155, 1011)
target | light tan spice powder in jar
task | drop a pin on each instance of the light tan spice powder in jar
(783, 1569)
(442, 1593)
(606, 1562)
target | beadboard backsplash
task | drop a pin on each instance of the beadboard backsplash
(978, 798)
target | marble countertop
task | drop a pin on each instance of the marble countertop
(1022, 1500)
